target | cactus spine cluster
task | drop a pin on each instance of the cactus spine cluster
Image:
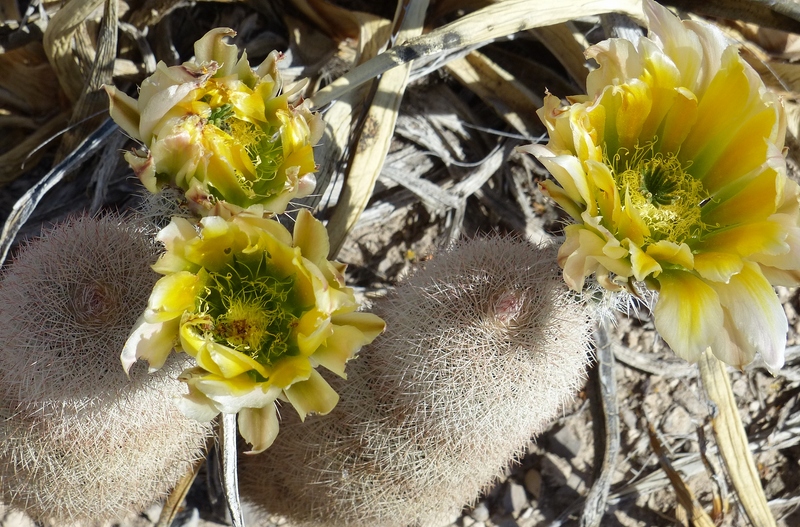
(79, 440)
(483, 345)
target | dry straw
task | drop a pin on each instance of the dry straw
(80, 441)
(482, 348)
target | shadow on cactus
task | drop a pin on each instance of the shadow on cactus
(79, 440)
(482, 348)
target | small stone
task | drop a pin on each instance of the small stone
(533, 482)
(565, 443)
(468, 521)
(678, 422)
(515, 499)
(480, 513)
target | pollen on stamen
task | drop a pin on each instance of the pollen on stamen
(665, 195)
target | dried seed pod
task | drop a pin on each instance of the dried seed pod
(482, 348)
(79, 440)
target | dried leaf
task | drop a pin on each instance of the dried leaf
(567, 45)
(508, 17)
(732, 441)
(59, 40)
(686, 497)
(375, 133)
(498, 88)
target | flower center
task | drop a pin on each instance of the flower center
(662, 192)
(263, 147)
(252, 312)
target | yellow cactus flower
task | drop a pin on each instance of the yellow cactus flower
(220, 130)
(672, 167)
(258, 308)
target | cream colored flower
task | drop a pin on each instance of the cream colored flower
(220, 130)
(672, 168)
(258, 308)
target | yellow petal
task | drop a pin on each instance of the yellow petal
(679, 121)
(643, 264)
(668, 252)
(688, 313)
(173, 295)
(717, 267)
(312, 238)
(230, 362)
(289, 370)
(766, 237)
(312, 395)
(719, 111)
(751, 201)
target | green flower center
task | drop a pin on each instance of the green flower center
(262, 145)
(662, 192)
(252, 311)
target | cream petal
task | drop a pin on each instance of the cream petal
(212, 47)
(619, 63)
(259, 427)
(197, 406)
(550, 188)
(569, 173)
(369, 324)
(231, 395)
(341, 346)
(688, 313)
(152, 342)
(757, 320)
(159, 105)
(678, 42)
(124, 110)
(178, 232)
(312, 395)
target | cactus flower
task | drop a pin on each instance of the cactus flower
(220, 130)
(258, 308)
(672, 168)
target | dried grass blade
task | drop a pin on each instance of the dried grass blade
(484, 25)
(342, 116)
(498, 88)
(686, 498)
(567, 45)
(375, 134)
(93, 101)
(732, 441)
(175, 499)
(58, 44)
(13, 162)
(25, 205)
